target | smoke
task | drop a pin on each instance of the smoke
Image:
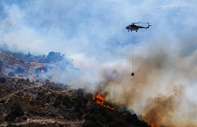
(162, 89)
(93, 35)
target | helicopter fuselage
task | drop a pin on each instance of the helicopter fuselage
(135, 28)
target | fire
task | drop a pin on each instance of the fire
(100, 100)
(153, 125)
(84, 93)
(42, 71)
(50, 81)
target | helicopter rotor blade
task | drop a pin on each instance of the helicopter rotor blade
(136, 22)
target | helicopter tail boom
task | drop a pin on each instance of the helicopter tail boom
(148, 26)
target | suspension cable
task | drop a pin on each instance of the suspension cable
(132, 55)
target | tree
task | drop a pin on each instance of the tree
(100, 118)
(113, 125)
(132, 118)
(67, 102)
(22, 61)
(61, 125)
(17, 109)
(92, 117)
(88, 124)
(11, 125)
(81, 112)
(98, 124)
(1, 65)
(19, 70)
(11, 73)
(109, 117)
(118, 124)
(60, 97)
(3, 80)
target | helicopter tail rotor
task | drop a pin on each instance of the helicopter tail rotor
(148, 24)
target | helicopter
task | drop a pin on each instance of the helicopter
(135, 27)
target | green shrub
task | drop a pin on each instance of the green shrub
(22, 61)
(7, 118)
(92, 117)
(100, 118)
(32, 101)
(37, 98)
(25, 118)
(93, 124)
(132, 118)
(17, 109)
(88, 124)
(3, 80)
(47, 80)
(103, 111)
(114, 125)
(72, 116)
(85, 101)
(19, 70)
(59, 97)
(93, 109)
(96, 112)
(86, 110)
(109, 117)
(81, 112)
(1, 65)
(98, 124)
(48, 98)
(67, 102)
(2, 101)
(81, 99)
(118, 124)
(11, 125)
(61, 125)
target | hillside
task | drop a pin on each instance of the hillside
(46, 104)
(29, 98)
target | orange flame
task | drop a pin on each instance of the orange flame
(42, 71)
(100, 100)
(84, 93)
(153, 125)
(50, 81)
